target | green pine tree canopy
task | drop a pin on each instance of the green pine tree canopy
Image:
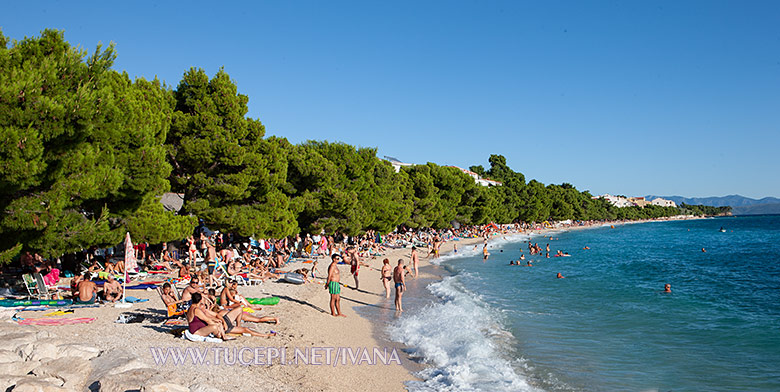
(86, 152)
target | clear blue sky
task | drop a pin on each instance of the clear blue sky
(627, 97)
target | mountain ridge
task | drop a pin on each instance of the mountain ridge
(719, 201)
(741, 205)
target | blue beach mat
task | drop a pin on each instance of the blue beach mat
(133, 300)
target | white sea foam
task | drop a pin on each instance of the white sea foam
(459, 338)
(476, 249)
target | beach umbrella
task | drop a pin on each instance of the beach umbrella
(129, 263)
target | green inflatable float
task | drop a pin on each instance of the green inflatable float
(263, 301)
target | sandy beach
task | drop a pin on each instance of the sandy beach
(305, 323)
(113, 356)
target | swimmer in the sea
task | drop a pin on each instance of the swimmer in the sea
(559, 276)
(667, 288)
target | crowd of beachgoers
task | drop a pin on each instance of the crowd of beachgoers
(213, 258)
(216, 287)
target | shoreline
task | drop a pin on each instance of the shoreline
(106, 352)
(447, 250)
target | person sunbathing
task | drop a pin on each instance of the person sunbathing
(259, 271)
(233, 312)
(226, 296)
(192, 288)
(168, 296)
(112, 290)
(212, 302)
(184, 272)
(159, 265)
(305, 273)
(110, 268)
(119, 267)
(202, 323)
(230, 300)
(234, 267)
(74, 285)
(95, 267)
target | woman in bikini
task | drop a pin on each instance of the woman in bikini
(193, 249)
(386, 276)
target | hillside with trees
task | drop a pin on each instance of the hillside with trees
(86, 152)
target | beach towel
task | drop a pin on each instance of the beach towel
(59, 312)
(197, 338)
(34, 308)
(142, 286)
(55, 321)
(36, 302)
(133, 300)
(80, 306)
(176, 323)
(52, 277)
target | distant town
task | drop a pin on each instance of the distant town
(617, 201)
(623, 201)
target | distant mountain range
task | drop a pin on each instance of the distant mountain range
(741, 205)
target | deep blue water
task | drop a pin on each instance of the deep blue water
(607, 326)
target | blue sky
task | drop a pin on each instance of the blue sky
(627, 97)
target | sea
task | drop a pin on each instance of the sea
(607, 325)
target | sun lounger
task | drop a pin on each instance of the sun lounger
(238, 278)
(172, 309)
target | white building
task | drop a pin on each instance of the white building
(663, 202)
(617, 201)
(396, 163)
(479, 180)
(488, 182)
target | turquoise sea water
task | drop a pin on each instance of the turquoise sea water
(607, 326)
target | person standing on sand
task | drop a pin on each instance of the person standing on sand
(436, 246)
(415, 260)
(386, 275)
(334, 286)
(354, 262)
(211, 258)
(400, 284)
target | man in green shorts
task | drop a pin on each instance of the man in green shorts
(334, 286)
